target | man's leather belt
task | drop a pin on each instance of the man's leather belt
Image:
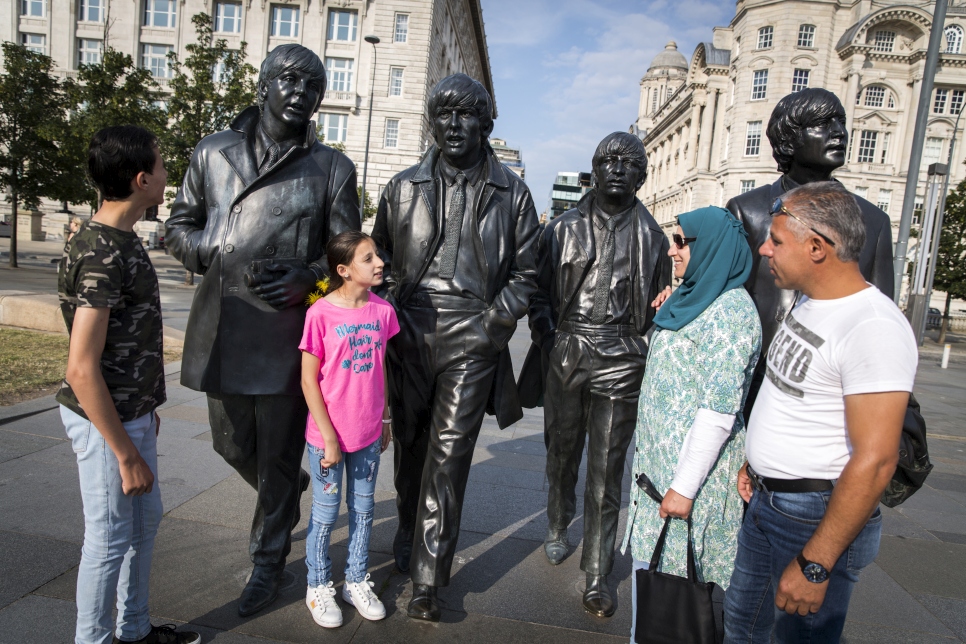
(788, 485)
(600, 330)
(446, 302)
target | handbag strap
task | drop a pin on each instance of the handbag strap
(659, 550)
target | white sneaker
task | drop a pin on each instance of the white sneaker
(361, 596)
(321, 601)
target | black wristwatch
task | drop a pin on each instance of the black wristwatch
(814, 572)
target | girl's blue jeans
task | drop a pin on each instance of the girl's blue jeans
(361, 469)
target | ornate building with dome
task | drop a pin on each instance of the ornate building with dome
(703, 121)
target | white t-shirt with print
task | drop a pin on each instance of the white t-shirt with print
(825, 350)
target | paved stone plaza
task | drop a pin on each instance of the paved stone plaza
(502, 589)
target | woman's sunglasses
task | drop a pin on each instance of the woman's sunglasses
(779, 207)
(680, 241)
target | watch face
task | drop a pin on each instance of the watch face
(815, 573)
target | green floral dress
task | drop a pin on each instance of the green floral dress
(706, 364)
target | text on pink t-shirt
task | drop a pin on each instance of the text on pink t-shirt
(351, 344)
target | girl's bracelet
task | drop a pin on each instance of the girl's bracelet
(386, 421)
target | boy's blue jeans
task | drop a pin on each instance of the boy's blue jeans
(119, 533)
(361, 468)
(776, 528)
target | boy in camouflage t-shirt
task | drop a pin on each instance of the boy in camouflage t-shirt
(115, 380)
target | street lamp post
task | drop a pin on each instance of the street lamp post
(373, 40)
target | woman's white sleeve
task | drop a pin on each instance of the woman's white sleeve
(700, 450)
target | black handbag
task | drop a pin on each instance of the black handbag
(914, 465)
(672, 609)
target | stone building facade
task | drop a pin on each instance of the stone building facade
(703, 121)
(421, 41)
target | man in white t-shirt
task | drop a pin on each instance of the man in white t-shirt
(823, 438)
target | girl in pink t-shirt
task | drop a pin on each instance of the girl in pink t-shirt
(348, 427)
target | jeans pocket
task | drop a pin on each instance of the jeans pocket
(803, 507)
(79, 434)
(864, 549)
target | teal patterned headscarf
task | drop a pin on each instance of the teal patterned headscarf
(720, 261)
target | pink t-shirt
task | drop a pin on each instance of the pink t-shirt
(351, 343)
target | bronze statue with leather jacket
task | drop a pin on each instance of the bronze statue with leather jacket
(259, 202)
(456, 232)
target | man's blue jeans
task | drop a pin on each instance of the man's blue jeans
(361, 469)
(776, 528)
(119, 533)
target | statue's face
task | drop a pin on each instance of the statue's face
(823, 144)
(618, 177)
(458, 134)
(291, 97)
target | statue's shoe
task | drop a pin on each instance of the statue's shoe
(556, 546)
(262, 589)
(597, 596)
(424, 605)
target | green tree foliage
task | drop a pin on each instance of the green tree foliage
(951, 258)
(112, 92)
(32, 108)
(201, 104)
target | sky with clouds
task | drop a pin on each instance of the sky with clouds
(567, 72)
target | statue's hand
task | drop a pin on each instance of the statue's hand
(290, 287)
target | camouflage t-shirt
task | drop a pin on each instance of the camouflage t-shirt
(104, 267)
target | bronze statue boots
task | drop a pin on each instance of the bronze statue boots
(597, 596)
(556, 545)
(424, 604)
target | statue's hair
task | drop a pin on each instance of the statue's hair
(461, 91)
(295, 57)
(828, 207)
(626, 145)
(792, 115)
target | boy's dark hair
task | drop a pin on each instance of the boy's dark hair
(794, 113)
(116, 155)
(341, 250)
(294, 57)
(459, 90)
(625, 145)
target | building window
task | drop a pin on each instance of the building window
(884, 40)
(36, 43)
(954, 39)
(34, 8)
(219, 72)
(91, 11)
(392, 133)
(932, 151)
(875, 96)
(867, 146)
(343, 25)
(884, 148)
(401, 34)
(339, 71)
(160, 13)
(799, 80)
(753, 139)
(285, 21)
(766, 36)
(654, 100)
(956, 101)
(334, 127)
(885, 200)
(155, 59)
(759, 85)
(395, 81)
(228, 18)
(806, 36)
(939, 102)
(747, 185)
(89, 51)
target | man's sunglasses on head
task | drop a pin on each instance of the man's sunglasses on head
(779, 208)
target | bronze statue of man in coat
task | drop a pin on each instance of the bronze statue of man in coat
(809, 141)
(601, 269)
(258, 204)
(457, 232)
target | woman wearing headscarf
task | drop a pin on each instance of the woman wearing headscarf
(690, 435)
